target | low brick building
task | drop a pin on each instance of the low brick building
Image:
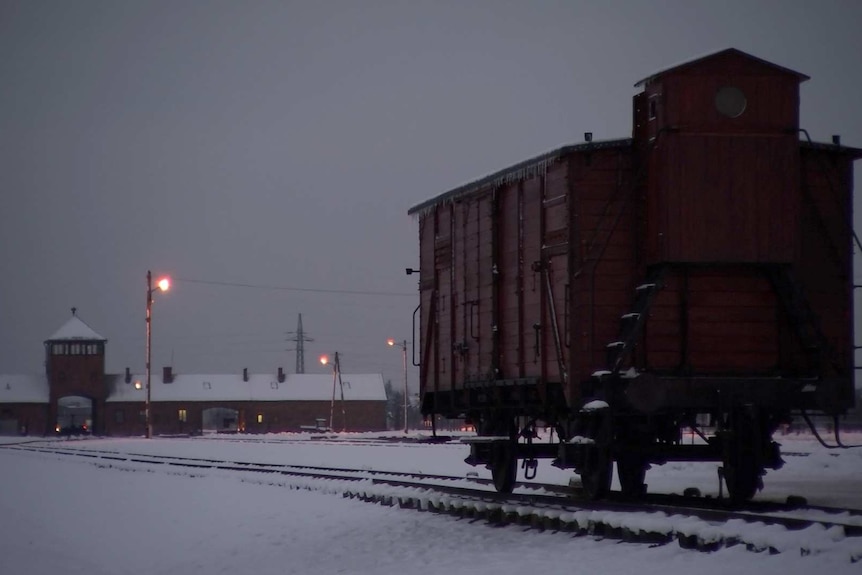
(75, 395)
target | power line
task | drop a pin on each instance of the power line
(297, 289)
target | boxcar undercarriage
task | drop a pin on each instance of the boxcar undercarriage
(590, 440)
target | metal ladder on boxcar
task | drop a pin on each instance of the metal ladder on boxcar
(803, 319)
(632, 322)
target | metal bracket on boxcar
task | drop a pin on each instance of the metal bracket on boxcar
(536, 349)
(530, 467)
(530, 464)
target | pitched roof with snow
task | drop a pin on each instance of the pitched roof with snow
(24, 389)
(694, 61)
(259, 387)
(75, 329)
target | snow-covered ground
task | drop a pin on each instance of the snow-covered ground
(94, 517)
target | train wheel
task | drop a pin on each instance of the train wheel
(631, 471)
(504, 468)
(742, 479)
(503, 460)
(598, 469)
(597, 473)
(743, 467)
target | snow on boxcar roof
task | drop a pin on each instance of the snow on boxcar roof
(520, 171)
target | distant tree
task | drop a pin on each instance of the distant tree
(394, 406)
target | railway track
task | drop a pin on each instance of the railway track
(695, 523)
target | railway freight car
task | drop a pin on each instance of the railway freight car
(622, 292)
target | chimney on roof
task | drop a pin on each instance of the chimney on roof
(836, 139)
(280, 375)
(245, 374)
(167, 374)
(128, 376)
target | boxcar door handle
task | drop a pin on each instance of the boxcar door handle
(536, 350)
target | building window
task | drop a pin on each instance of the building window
(730, 101)
(181, 415)
(75, 349)
(59, 349)
(260, 418)
(142, 416)
(119, 416)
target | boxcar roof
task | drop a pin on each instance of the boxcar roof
(699, 59)
(856, 153)
(520, 171)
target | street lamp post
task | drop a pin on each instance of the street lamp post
(336, 377)
(391, 342)
(163, 285)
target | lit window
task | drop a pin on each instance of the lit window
(260, 418)
(181, 415)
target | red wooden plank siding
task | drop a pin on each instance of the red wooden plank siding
(509, 268)
(602, 194)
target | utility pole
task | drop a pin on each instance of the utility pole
(299, 338)
(336, 378)
(403, 346)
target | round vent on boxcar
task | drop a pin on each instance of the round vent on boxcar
(730, 101)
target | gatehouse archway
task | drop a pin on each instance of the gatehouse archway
(74, 415)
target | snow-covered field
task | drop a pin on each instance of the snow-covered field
(94, 517)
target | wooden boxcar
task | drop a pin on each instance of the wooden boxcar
(696, 275)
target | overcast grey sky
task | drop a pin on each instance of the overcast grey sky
(282, 143)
